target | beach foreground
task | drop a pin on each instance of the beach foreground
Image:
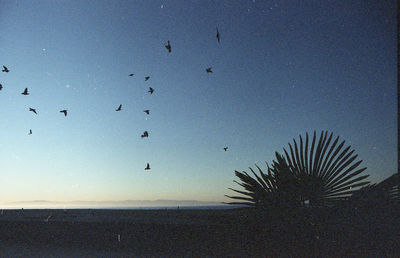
(237, 232)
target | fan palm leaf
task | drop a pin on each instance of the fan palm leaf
(321, 172)
(275, 187)
(331, 172)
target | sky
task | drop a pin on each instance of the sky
(281, 69)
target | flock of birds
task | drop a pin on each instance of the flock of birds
(151, 90)
(25, 93)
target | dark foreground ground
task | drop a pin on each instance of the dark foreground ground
(218, 233)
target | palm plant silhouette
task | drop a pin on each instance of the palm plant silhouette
(321, 175)
(277, 187)
(385, 193)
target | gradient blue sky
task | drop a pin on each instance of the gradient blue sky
(282, 68)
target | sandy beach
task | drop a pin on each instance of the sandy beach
(94, 232)
(200, 233)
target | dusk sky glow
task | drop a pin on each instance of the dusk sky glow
(282, 68)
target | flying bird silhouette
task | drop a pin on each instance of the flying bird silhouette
(151, 90)
(33, 110)
(145, 134)
(225, 148)
(146, 78)
(147, 111)
(208, 70)
(64, 111)
(168, 47)
(1, 86)
(218, 36)
(132, 74)
(5, 69)
(147, 167)
(25, 92)
(119, 108)
(30, 131)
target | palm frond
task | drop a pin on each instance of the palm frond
(323, 171)
(386, 192)
(331, 171)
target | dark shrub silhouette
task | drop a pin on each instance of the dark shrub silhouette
(319, 174)
(277, 188)
(385, 193)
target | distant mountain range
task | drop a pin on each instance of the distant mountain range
(123, 203)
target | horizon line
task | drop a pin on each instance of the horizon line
(115, 202)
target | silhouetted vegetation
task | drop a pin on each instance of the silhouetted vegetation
(314, 201)
(316, 174)
(383, 194)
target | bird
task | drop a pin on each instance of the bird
(33, 110)
(1, 86)
(5, 69)
(218, 36)
(225, 148)
(64, 111)
(132, 74)
(30, 131)
(147, 111)
(146, 78)
(25, 92)
(151, 90)
(147, 167)
(168, 47)
(145, 134)
(208, 70)
(119, 108)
